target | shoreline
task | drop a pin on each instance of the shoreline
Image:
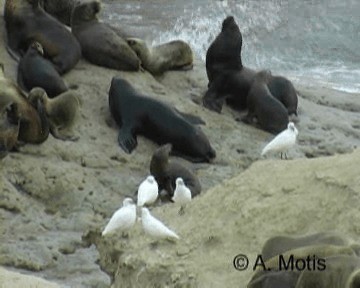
(53, 193)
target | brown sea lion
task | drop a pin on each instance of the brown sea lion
(166, 172)
(109, 49)
(27, 22)
(34, 126)
(36, 71)
(280, 244)
(9, 130)
(341, 272)
(270, 113)
(174, 55)
(137, 114)
(231, 81)
(61, 111)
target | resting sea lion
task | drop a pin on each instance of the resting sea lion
(274, 279)
(137, 114)
(34, 126)
(270, 112)
(341, 272)
(167, 171)
(60, 9)
(174, 55)
(61, 112)
(9, 131)
(99, 43)
(36, 71)
(27, 22)
(280, 244)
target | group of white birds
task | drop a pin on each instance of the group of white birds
(125, 217)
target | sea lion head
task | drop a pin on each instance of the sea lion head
(201, 146)
(36, 95)
(229, 24)
(86, 11)
(38, 47)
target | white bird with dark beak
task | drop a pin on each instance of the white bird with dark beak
(283, 141)
(148, 191)
(155, 227)
(123, 219)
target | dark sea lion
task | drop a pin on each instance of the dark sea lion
(27, 22)
(34, 125)
(61, 111)
(108, 49)
(231, 81)
(174, 55)
(280, 244)
(36, 71)
(137, 114)
(9, 130)
(224, 52)
(341, 272)
(166, 172)
(274, 279)
(270, 113)
(60, 9)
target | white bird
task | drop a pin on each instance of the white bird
(155, 227)
(148, 191)
(283, 141)
(123, 219)
(182, 194)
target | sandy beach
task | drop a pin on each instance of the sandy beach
(55, 195)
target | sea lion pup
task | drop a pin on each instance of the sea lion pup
(26, 22)
(9, 130)
(341, 272)
(108, 49)
(270, 113)
(280, 244)
(61, 111)
(174, 55)
(138, 114)
(231, 81)
(224, 52)
(166, 172)
(36, 71)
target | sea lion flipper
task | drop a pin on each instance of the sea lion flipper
(126, 140)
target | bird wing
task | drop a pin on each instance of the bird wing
(122, 219)
(280, 142)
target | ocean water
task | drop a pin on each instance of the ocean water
(309, 41)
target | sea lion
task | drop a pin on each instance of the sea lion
(280, 244)
(274, 279)
(166, 172)
(60, 9)
(231, 81)
(174, 55)
(36, 71)
(341, 272)
(224, 53)
(137, 114)
(61, 112)
(9, 130)
(108, 49)
(27, 22)
(34, 126)
(270, 112)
